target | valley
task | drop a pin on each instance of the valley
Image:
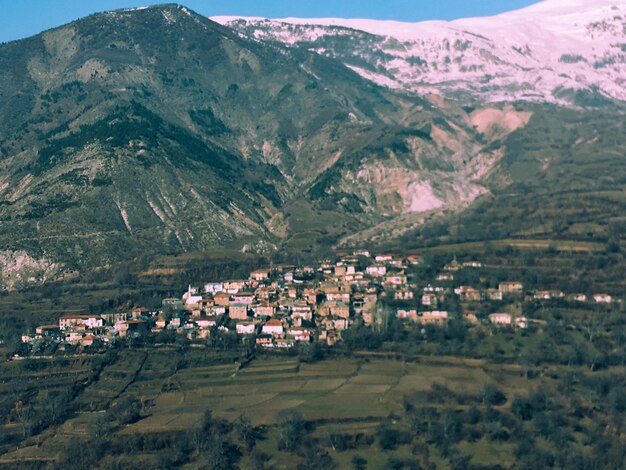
(314, 243)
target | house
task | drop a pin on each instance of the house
(113, 318)
(521, 322)
(429, 299)
(468, 293)
(358, 301)
(139, 312)
(376, 270)
(337, 294)
(548, 294)
(213, 287)
(339, 309)
(246, 327)
(453, 266)
(341, 323)
(265, 293)
(264, 310)
(206, 304)
(312, 296)
(406, 314)
(87, 340)
(232, 287)
(222, 298)
(510, 287)
(445, 277)
(191, 298)
(273, 327)
(435, 316)
(28, 338)
(216, 310)
(284, 343)
(238, 311)
(300, 334)
(383, 258)
(206, 323)
(260, 274)
(414, 260)
(472, 264)
(89, 321)
(577, 298)
(135, 327)
(500, 318)
(494, 294)
(48, 332)
(73, 337)
(243, 298)
(301, 310)
(265, 340)
(602, 298)
(292, 292)
(395, 280)
(340, 270)
(403, 294)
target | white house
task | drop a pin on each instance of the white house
(213, 287)
(245, 328)
(376, 270)
(500, 318)
(273, 327)
(602, 298)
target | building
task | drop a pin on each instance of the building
(213, 287)
(602, 298)
(88, 321)
(435, 316)
(238, 311)
(260, 275)
(406, 314)
(403, 294)
(511, 287)
(376, 270)
(243, 298)
(264, 310)
(222, 299)
(500, 318)
(245, 327)
(429, 299)
(339, 309)
(273, 327)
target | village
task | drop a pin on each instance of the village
(284, 305)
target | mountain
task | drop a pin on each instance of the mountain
(139, 132)
(567, 52)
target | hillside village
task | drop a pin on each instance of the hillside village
(284, 305)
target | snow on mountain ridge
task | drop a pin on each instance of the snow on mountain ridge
(545, 52)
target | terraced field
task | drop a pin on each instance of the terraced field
(343, 393)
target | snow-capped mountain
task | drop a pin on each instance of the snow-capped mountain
(561, 51)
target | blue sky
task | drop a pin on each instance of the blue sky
(23, 18)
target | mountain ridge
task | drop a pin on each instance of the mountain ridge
(140, 132)
(553, 51)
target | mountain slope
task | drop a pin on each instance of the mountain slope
(140, 132)
(564, 52)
